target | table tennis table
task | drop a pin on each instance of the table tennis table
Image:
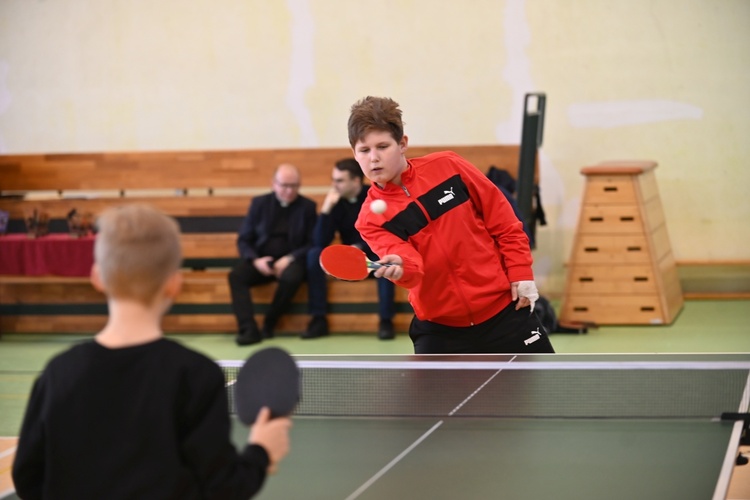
(513, 427)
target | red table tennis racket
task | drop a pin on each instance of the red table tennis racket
(269, 377)
(347, 263)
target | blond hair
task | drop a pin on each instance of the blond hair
(137, 249)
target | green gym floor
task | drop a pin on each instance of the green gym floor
(702, 326)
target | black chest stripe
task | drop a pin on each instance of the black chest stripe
(408, 222)
(444, 197)
(437, 201)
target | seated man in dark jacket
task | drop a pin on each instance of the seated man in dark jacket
(273, 242)
(338, 214)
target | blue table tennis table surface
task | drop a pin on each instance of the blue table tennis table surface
(511, 458)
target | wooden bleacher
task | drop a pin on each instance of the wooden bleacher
(208, 192)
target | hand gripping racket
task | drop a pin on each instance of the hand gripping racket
(347, 263)
(269, 377)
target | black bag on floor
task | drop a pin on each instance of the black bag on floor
(546, 314)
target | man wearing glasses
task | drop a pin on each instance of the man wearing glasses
(273, 242)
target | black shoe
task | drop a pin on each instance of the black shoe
(269, 324)
(385, 330)
(248, 337)
(318, 327)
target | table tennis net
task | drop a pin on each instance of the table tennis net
(332, 388)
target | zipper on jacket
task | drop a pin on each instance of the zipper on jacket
(408, 194)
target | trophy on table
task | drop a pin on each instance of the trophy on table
(37, 224)
(79, 224)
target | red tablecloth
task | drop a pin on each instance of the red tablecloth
(55, 254)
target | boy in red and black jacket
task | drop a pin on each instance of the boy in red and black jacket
(451, 238)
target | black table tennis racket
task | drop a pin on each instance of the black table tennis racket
(269, 377)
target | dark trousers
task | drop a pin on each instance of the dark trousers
(244, 276)
(318, 289)
(508, 332)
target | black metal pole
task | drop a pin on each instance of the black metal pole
(531, 139)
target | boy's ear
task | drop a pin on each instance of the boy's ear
(173, 285)
(404, 144)
(96, 279)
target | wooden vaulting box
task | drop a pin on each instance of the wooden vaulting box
(622, 270)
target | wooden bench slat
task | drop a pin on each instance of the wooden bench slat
(209, 287)
(202, 169)
(176, 206)
(195, 323)
(72, 305)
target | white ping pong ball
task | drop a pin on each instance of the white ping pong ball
(378, 206)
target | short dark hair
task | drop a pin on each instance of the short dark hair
(350, 165)
(375, 113)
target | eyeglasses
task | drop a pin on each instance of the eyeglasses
(286, 185)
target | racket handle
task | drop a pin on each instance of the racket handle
(373, 266)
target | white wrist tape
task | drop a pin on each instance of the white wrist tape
(528, 289)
